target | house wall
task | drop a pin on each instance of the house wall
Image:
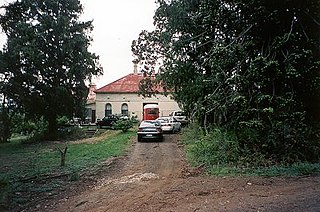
(90, 108)
(135, 104)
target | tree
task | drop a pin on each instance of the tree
(7, 106)
(49, 57)
(252, 67)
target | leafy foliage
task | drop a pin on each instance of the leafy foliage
(63, 121)
(216, 148)
(7, 108)
(123, 124)
(249, 67)
(48, 58)
(220, 152)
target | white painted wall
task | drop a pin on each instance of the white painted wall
(135, 104)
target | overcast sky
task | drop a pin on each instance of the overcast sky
(116, 23)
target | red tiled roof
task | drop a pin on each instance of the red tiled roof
(126, 84)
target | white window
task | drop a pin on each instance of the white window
(124, 109)
(108, 109)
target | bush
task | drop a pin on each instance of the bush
(192, 133)
(218, 147)
(123, 124)
(63, 121)
(36, 130)
(224, 152)
(288, 139)
(134, 119)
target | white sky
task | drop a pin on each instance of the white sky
(116, 23)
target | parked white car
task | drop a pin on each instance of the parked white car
(180, 116)
(169, 124)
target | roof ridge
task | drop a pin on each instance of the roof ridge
(126, 84)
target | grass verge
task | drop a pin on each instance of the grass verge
(33, 171)
(296, 169)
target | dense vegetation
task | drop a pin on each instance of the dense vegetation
(249, 69)
(45, 62)
(220, 153)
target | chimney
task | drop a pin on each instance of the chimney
(92, 94)
(135, 66)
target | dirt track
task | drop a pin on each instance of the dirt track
(155, 177)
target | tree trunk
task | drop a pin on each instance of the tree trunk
(63, 156)
(205, 123)
(53, 126)
(5, 128)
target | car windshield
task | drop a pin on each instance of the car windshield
(180, 113)
(150, 123)
(163, 120)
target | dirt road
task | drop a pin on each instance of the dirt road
(155, 177)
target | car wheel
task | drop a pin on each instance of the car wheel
(139, 139)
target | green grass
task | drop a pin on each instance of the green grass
(297, 169)
(80, 156)
(20, 163)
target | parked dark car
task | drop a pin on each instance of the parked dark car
(150, 130)
(107, 121)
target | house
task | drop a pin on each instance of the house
(121, 97)
(91, 104)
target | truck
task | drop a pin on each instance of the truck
(150, 112)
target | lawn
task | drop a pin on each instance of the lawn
(28, 170)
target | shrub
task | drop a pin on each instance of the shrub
(63, 121)
(134, 119)
(123, 124)
(288, 139)
(192, 133)
(218, 147)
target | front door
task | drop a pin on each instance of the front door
(93, 116)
